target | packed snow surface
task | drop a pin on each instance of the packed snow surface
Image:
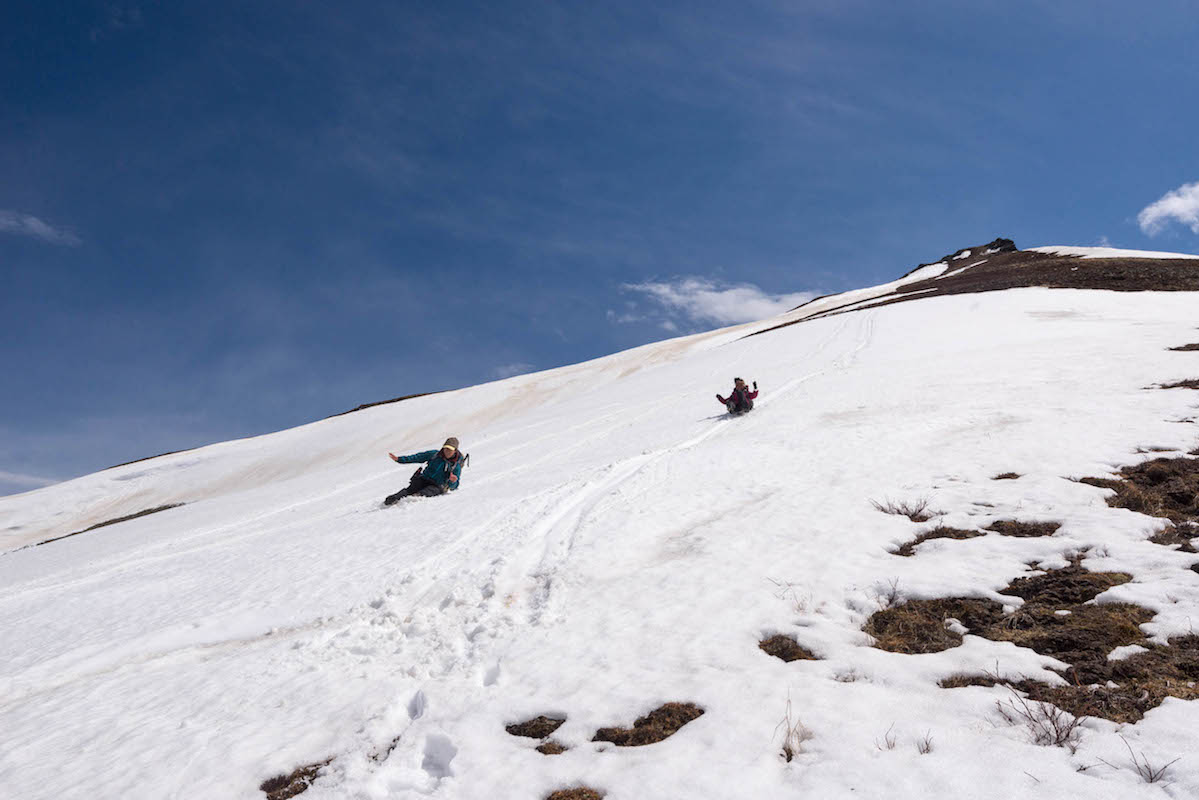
(617, 543)
(1106, 252)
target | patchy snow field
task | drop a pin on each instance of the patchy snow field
(1105, 252)
(617, 544)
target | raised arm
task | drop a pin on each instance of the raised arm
(415, 458)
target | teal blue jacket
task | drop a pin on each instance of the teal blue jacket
(439, 469)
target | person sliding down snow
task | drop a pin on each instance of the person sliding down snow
(444, 468)
(742, 399)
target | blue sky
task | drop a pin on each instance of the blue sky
(225, 218)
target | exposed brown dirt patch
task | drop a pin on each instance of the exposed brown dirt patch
(786, 648)
(1006, 476)
(536, 728)
(1023, 529)
(940, 532)
(1162, 487)
(963, 680)
(918, 626)
(1186, 347)
(1087, 631)
(552, 748)
(1177, 536)
(578, 793)
(1061, 587)
(1189, 383)
(1012, 269)
(1057, 620)
(1141, 681)
(365, 406)
(143, 513)
(661, 723)
(282, 787)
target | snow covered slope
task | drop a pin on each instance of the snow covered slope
(618, 544)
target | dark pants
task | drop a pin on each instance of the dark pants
(419, 485)
(733, 408)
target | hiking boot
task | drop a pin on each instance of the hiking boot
(392, 498)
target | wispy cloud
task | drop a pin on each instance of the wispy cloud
(11, 482)
(1180, 205)
(702, 300)
(117, 17)
(28, 225)
(511, 370)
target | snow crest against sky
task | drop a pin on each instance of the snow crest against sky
(222, 219)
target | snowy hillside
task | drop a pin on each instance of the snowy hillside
(619, 543)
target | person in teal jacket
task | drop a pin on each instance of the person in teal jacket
(443, 468)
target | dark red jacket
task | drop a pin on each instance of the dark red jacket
(746, 395)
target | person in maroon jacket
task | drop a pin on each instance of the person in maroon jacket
(742, 399)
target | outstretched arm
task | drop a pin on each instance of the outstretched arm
(415, 458)
(722, 400)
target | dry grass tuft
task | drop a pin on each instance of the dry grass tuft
(552, 748)
(1184, 348)
(577, 793)
(918, 626)
(283, 787)
(661, 723)
(536, 728)
(1162, 487)
(962, 680)
(940, 532)
(1026, 530)
(1006, 476)
(1190, 383)
(786, 648)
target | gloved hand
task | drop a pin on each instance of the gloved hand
(755, 386)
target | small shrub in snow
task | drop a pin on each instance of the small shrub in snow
(888, 595)
(795, 733)
(1148, 772)
(915, 510)
(1047, 725)
(925, 746)
(889, 739)
(786, 591)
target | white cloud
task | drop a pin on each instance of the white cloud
(12, 482)
(706, 301)
(511, 370)
(27, 225)
(1181, 205)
